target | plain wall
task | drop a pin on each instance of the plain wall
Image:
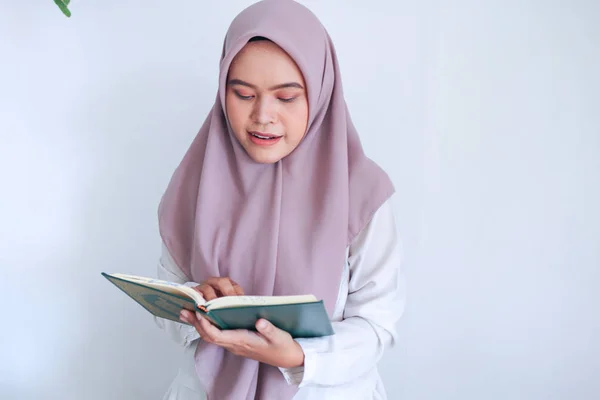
(485, 113)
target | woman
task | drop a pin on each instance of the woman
(275, 197)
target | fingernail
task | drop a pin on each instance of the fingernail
(262, 324)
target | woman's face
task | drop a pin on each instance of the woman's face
(266, 101)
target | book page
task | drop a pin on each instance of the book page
(170, 287)
(246, 301)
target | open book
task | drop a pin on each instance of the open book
(300, 316)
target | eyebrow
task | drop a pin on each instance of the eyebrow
(280, 86)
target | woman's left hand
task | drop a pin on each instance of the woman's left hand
(270, 345)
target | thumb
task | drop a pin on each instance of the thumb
(267, 329)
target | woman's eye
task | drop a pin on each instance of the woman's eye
(241, 96)
(287, 99)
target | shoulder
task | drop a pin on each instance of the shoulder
(375, 255)
(371, 190)
(386, 211)
(381, 228)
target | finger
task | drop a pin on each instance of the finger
(270, 332)
(239, 341)
(229, 339)
(190, 318)
(183, 317)
(211, 333)
(238, 289)
(225, 287)
(207, 291)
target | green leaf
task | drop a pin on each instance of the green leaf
(62, 4)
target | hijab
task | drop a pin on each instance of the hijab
(279, 228)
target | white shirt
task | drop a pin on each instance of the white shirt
(342, 366)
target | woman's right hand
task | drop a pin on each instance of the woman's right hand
(218, 287)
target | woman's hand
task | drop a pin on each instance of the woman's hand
(270, 345)
(218, 287)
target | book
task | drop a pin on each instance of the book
(302, 316)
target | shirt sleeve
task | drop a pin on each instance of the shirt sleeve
(182, 334)
(374, 305)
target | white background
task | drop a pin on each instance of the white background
(485, 113)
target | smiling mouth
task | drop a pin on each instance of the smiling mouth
(264, 136)
(263, 139)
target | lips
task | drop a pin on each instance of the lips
(263, 139)
(263, 135)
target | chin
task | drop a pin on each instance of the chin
(262, 158)
(265, 156)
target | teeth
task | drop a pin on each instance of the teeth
(262, 137)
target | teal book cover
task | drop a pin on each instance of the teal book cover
(300, 316)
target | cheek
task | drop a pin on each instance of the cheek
(236, 114)
(297, 121)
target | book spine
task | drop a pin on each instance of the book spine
(216, 320)
(212, 317)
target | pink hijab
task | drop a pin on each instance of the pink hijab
(276, 229)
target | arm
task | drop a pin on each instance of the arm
(374, 305)
(168, 270)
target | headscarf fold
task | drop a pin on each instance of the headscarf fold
(276, 229)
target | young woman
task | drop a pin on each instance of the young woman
(276, 197)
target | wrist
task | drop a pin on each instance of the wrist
(297, 359)
(293, 357)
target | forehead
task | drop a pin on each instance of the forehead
(264, 63)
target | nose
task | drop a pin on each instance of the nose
(264, 112)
